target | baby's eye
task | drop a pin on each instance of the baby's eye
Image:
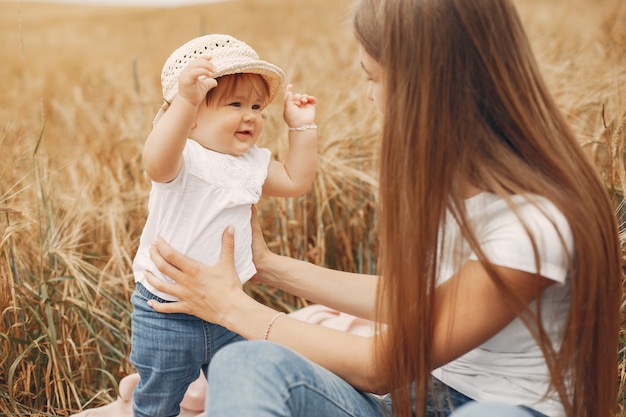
(235, 104)
(256, 107)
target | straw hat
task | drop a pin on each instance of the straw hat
(228, 55)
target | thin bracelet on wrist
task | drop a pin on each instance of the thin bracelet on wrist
(303, 127)
(269, 325)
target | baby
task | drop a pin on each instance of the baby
(206, 173)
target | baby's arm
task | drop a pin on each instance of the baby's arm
(296, 174)
(163, 150)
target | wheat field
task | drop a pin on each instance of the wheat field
(80, 86)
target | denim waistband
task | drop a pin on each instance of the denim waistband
(139, 287)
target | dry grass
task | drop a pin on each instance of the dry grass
(80, 88)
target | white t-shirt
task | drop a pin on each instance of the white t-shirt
(510, 367)
(213, 191)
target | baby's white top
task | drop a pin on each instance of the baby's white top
(213, 191)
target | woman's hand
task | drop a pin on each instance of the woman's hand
(202, 290)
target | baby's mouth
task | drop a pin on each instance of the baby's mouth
(244, 133)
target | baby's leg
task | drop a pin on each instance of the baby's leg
(168, 351)
(216, 338)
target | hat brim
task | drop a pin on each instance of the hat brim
(273, 75)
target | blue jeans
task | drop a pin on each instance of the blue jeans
(263, 379)
(168, 351)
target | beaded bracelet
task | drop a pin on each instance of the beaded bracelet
(269, 325)
(304, 127)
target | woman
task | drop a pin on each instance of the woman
(499, 266)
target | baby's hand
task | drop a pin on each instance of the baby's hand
(195, 80)
(299, 108)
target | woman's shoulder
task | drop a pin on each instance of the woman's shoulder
(525, 207)
(516, 216)
(513, 230)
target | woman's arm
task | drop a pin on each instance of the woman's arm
(349, 293)
(214, 294)
(469, 308)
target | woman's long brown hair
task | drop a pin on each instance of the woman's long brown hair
(465, 99)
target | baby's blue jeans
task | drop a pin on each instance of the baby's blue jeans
(168, 351)
(263, 379)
